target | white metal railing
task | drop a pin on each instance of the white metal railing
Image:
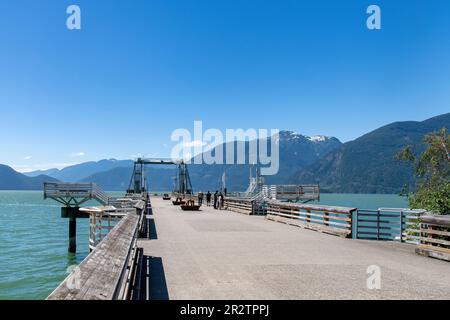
(291, 192)
(75, 190)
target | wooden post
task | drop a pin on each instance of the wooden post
(73, 233)
(71, 213)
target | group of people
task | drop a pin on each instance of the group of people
(217, 197)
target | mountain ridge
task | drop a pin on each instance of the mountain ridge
(296, 150)
(13, 180)
(363, 165)
(367, 164)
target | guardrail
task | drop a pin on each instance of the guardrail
(239, 205)
(434, 240)
(388, 224)
(102, 220)
(64, 192)
(292, 192)
(327, 219)
(250, 206)
(398, 224)
(108, 271)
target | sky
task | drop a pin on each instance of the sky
(137, 70)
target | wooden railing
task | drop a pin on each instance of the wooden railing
(108, 271)
(435, 237)
(239, 205)
(327, 219)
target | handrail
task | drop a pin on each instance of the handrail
(99, 195)
(75, 190)
(388, 224)
(326, 219)
(104, 273)
(292, 192)
(434, 240)
(240, 205)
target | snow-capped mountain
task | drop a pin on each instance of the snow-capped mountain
(319, 138)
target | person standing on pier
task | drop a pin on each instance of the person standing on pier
(200, 198)
(221, 199)
(216, 198)
(208, 199)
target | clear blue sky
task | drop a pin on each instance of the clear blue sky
(140, 69)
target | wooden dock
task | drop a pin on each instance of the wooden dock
(102, 273)
(162, 252)
(214, 254)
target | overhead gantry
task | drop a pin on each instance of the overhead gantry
(139, 183)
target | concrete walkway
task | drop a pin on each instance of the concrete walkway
(225, 255)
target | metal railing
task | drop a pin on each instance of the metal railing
(292, 192)
(64, 192)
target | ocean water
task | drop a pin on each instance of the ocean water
(33, 245)
(33, 239)
(364, 201)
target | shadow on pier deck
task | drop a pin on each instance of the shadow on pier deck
(155, 280)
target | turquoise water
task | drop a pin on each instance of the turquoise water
(33, 239)
(33, 245)
(364, 201)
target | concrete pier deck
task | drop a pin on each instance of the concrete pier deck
(214, 254)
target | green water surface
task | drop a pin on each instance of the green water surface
(33, 239)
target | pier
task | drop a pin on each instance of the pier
(147, 247)
(221, 254)
(71, 196)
